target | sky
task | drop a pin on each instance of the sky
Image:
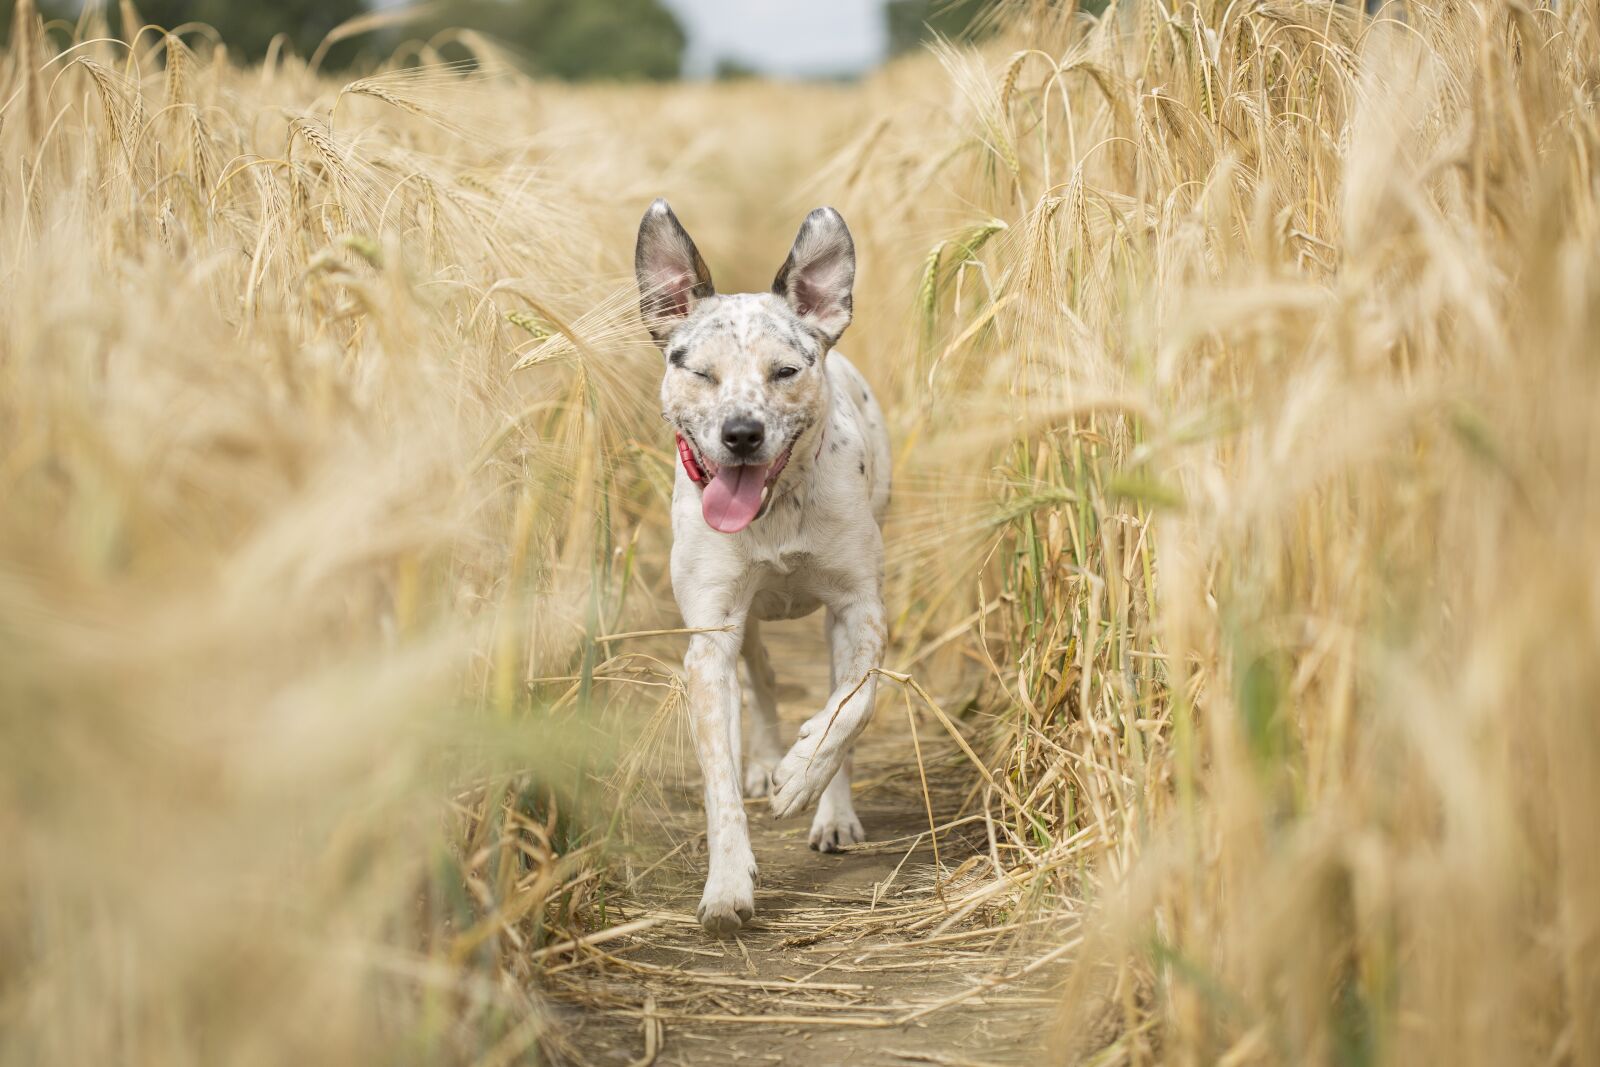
(783, 37)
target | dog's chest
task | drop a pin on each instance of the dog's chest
(789, 565)
(784, 596)
(784, 551)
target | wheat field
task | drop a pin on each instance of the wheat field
(1243, 370)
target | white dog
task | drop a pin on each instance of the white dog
(784, 477)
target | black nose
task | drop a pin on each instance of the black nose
(743, 436)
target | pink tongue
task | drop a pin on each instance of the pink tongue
(731, 501)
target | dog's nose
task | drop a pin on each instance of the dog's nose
(743, 436)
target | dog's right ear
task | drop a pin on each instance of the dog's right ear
(672, 276)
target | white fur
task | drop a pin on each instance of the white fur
(767, 359)
(827, 551)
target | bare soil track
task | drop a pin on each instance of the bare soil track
(857, 958)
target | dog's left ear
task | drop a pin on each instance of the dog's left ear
(817, 277)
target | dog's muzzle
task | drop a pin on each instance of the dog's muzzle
(732, 496)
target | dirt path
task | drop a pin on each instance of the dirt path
(853, 958)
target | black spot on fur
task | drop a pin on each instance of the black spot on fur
(809, 351)
(863, 469)
(833, 446)
(786, 333)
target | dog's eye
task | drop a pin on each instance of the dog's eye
(702, 374)
(784, 372)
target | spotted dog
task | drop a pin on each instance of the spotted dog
(782, 483)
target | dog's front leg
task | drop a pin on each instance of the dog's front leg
(826, 738)
(713, 681)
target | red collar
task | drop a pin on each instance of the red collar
(690, 467)
(698, 476)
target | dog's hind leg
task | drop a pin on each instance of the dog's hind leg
(835, 824)
(766, 748)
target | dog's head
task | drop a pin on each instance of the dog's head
(744, 381)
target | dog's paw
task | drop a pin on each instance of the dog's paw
(806, 770)
(758, 770)
(729, 900)
(832, 830)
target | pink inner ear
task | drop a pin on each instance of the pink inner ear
(805, 298)
(816, 287)
(672, 293)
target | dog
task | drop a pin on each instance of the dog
(781, 486)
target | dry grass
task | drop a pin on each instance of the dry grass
(1290, 319)
(1242, 364)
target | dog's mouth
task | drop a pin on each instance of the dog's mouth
(735, 496)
